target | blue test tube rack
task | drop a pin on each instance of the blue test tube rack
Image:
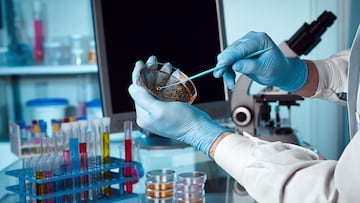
(116, 179)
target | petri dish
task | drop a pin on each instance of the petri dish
(155, 75)
(195, 177)
(190, 195)
(159, 193)
(180, 187)
(158, 176)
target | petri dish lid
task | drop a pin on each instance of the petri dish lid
(195, 177)
(160, 176)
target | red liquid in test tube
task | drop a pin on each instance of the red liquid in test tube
(83, 167)
(128, 154)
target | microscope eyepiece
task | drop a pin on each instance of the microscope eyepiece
(308, 36)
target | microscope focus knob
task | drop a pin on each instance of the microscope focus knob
(241, 116)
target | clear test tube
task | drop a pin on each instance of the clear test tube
(96, 128)
(67, 162)
(23, 137)
(84, 180)
(91, 163)
(43, 137)
(27, 166)
(37, 138)
(58, 160)
(57, 139)
(57, 171)
(105, 147)
(48, 173)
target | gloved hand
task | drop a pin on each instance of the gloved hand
(271, 68)
(176, 120)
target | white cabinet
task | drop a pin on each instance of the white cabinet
(63, 19)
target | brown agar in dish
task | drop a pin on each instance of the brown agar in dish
(153, 79)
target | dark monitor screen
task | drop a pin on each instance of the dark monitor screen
(187, 33)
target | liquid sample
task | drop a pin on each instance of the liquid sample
(106, 160)
(49, 187)
(84, 180)
(40, 188)
(128, 158)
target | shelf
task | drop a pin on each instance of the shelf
(48, 70)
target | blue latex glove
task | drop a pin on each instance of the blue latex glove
(271, 68)
(176, 120)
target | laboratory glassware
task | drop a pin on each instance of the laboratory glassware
(154, 75)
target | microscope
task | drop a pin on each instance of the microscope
(252, 112)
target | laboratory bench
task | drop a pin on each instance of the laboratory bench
(219, 187)
(228, 190)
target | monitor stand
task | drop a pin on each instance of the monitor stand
(153, 141)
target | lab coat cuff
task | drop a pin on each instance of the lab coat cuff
(234, 144)
(332, 77)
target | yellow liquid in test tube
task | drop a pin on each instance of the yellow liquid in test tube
(106, 160)
(40, 188)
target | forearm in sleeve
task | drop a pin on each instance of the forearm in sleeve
(333, 76)
(275, 171)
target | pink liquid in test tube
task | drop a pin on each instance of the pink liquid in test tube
(38, 33)
(128, 154)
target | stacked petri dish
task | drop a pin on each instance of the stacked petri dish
(159, 185)
(189, 187)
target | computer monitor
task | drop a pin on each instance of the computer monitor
(187, 33)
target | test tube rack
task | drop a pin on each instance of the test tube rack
(21, 150)
(15, 143)
(25, 177)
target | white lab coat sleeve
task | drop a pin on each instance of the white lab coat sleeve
(275, 172)
(333, 77)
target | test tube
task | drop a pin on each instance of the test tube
(84, 196)
(92, 163)
(43, 127)
(56, 137)
(96, 126)
(27, 166)
(43, 145)
(74, 145)
(128, 152)
(39, 175)
(37, 138)
(57, 159)
(75, 155)
(67, 164)
(105, 143)
(38, 32)
(57, 172)
(23, 136)
(48, 173)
